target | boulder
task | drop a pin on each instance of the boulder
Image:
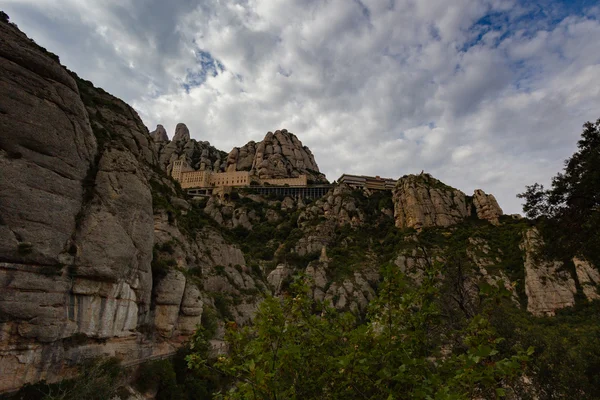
(486, 206)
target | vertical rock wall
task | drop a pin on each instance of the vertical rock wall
(78, 227)
(422, 201)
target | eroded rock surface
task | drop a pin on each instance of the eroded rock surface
(486, 206)
(160, 134)
(76, 212)
(198, 155)
(422, 201)
(79, 230)
(547, 285)
(588, 277)
(278, 155)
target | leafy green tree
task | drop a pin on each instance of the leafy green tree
(570, 209)
(301, 349)
(566, 364)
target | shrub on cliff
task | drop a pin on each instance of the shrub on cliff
(297, 348)
(99, 379)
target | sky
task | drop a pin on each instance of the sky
(488, 94)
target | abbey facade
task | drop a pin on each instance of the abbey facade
(189, 178)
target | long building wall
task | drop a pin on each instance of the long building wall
(368, 182)
(189, 178)
(299, 181)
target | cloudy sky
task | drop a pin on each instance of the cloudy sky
(485, 94)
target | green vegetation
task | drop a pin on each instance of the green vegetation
(566, 363)
(430, 181)
(569, 213)
(222, 305)
(194, 219)
(98, 379)
(299, 349)
(172, 380)
(161, 264)
(502, 243)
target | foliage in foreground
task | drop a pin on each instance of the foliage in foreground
(171, 379)
(569, 212)
(99, 379)
(299, 349)
(566, 363)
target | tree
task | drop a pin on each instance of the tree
(569, 211)
(301, 349)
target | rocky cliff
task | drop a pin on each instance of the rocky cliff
(278, 155)
(199, 155)
(93, 259)
(422, 201)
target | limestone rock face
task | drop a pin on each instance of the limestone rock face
(78, 228)
(199, 155)
(486, 206)
(160, 134)
(43, 159)
(76, 218)
(338, 205)
(168, 295)
(46, 168)
(548, 287)
(278, 276)
(228, 215)
(353, 293)
(219, 269)
(182, 133)
(241, 158)
(192, 307)
(588, 277)
(421, 201)
(278, 155)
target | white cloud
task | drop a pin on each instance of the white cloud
(382, 87)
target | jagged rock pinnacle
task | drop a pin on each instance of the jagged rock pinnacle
(160, 134)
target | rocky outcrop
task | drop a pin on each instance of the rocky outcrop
(160, 134)
(168, 296)
(86, 268)
(338, 205)
(214, 267)
(352, 293)
(76, 214)
(421, 201)
(230, 215)
(278, 155)
(588, 277)
(547, 285)
(182, 133)
(241, 158)
(43, 160)
(199, 155)
(486, 206)
(278, 276)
